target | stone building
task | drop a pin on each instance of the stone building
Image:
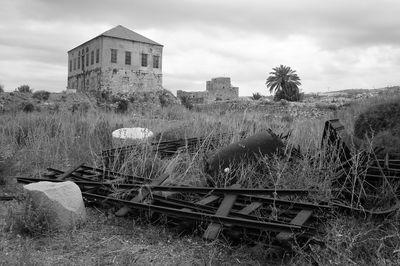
(221, 89)
(118, 60)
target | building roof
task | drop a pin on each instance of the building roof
(124, 33)
(120, 32)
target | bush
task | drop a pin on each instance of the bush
(378, 118)
(28, 107)
(30, 221)
(256, 96)
(326, 106)
(24, 89)
(163, 100)
(186, 102)
(293, 95)
(82, 107)
(41, 95)
(122, 106)
(1, 88)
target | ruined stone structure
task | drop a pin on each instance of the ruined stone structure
(221, 89)
(193, 96)
(118, 60)
(217, 89)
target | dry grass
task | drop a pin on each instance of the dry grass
(39, 140)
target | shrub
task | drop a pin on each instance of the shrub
(388, 140)
(327, 106)
(30, 221)
(186, 102)
(378, 118)
(82, 107)
(1, 88)
(122, 106)
(163, 100)
(293, 95)
(24, 89)
(256, 96)
(41, 95)
(28, 107)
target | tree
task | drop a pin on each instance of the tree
(256, 96)
(41, 95)
(284, 82)
(24, 89)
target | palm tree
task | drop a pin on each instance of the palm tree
(284, 81)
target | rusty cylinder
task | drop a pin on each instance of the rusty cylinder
(260, 144)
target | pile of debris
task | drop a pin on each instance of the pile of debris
(255, 214)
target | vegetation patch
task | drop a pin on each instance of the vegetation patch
(382, 122)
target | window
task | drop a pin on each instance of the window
(92, 57)
(156, 61)
(87, 59)
(127, 58)
(113, 55)
(144, 60)
(83, 61)
(97, 55)
(70, 65)
(79, 61)
(74, 63)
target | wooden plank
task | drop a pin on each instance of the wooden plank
(69, 172)
(227, 203)
(207, 200)
(142, 195)
(300, 219)
(250, 208)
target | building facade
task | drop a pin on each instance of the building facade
(118, 60)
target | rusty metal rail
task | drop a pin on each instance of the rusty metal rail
(182, 189)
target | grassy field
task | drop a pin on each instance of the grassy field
(30, 142)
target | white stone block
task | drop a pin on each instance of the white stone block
(62, 201)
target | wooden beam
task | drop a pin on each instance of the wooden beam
(299, 219)
(227, 203)
(207, 200)
(69, 172)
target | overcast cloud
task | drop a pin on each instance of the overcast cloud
(332, 44)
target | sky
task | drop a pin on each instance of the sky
(332, 44)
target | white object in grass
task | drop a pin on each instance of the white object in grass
(138, 133)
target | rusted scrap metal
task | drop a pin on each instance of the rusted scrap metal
(360, 183)
(162, 148)
(261, 144)
(7, 198)
(179, 189)
(234, 211)
(335, 137)
(87, 173)
(246, 223)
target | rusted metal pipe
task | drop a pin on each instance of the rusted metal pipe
(261, 144)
